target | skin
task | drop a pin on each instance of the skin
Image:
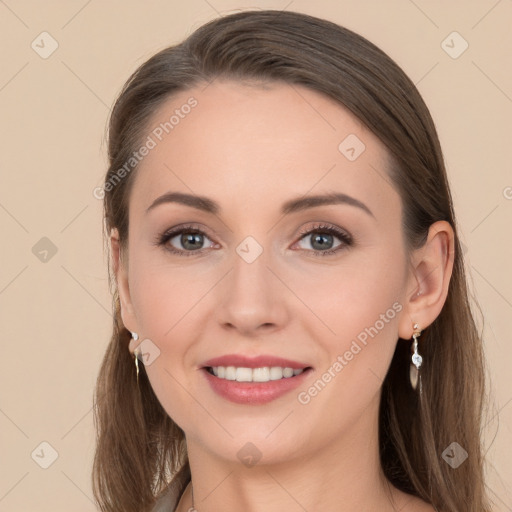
(250, 148)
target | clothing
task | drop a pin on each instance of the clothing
(168, 500)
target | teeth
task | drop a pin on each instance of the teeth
(230, 373)
(261, 374)
(264, 374)
(276, 373)
(288, 372)
(244, 375)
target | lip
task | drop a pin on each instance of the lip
(241, 361)
(254, 393)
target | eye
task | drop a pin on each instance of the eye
(184, 240)
(321, 239)
(189, 240)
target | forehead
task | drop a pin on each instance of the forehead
(253, 142)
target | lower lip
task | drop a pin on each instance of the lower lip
(254, 393)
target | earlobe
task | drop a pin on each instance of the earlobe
(120, 270)
(429, 278)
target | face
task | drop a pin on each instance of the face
(261, 273)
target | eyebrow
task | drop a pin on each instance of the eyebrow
(294, 205)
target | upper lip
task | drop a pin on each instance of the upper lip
(241, 361)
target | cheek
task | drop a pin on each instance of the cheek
(357, 356)
(165, 296)
(353, 296)
(357, 307)
(168, 306)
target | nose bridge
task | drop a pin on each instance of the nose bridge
(251, 294)
(249, 280)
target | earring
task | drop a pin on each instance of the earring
(416, 359)
(135, 337)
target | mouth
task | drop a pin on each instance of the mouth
(253, 381)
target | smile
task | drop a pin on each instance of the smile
(263, 374)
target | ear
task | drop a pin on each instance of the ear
(428, 280)
(119, 265)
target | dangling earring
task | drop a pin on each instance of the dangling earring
(135, 337)
(416, 359)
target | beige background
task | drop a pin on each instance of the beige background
(55, 314)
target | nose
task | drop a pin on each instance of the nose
(252, 299)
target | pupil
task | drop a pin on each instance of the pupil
(323, 240)
(194, 239)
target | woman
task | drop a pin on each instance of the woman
(292, 325)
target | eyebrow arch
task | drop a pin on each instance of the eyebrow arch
(208, 205)
(305, 202)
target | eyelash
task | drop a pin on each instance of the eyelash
(320, 228)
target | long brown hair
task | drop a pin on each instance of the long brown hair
(140, 450)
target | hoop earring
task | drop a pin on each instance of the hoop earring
(416, 359)
(136, 352)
